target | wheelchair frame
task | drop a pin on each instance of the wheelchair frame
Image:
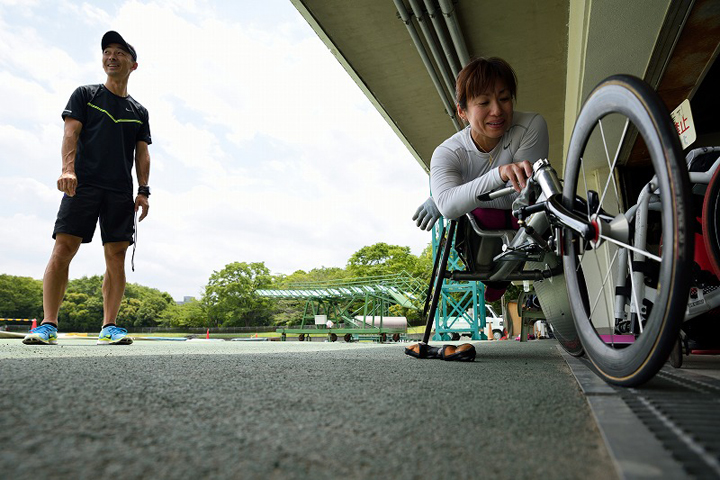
(653, 282)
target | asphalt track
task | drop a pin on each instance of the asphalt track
(289, 410)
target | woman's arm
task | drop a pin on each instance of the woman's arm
(454, 194)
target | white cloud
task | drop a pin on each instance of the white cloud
(263, 148)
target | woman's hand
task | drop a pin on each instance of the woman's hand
(516, 173)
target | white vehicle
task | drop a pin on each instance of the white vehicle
(494, 324)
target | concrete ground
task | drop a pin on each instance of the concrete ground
(292, 410)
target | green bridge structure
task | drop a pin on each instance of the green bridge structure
(356, 307)
(360, 307)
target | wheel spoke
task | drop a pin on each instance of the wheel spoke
(630, 247)
(582, 169)
(611, 177)
(611, 180)
(604, 282)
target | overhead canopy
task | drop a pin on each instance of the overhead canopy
(560, 50)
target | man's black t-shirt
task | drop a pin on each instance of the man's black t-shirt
(112, 126)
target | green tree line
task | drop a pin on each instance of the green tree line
(229, 298)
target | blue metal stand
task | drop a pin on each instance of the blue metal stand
(462, 304)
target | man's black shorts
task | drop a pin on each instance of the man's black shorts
(78, 215)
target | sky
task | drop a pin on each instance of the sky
(264, 149)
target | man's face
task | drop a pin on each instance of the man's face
(117, 62)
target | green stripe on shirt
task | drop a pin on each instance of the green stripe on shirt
(120, 120)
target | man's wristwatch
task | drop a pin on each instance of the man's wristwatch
(144, 190)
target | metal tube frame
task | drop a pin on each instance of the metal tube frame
(407, 20)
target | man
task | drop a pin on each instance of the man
(105, 130)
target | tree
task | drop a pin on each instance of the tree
(82, 307)
(381, 259)
(143, 306)
(190, 314)
(424, 265)
(91, 286)
(80, 312)
(230, 298)
(322, 274)
(20, 297)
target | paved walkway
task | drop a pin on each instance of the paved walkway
(292, 410)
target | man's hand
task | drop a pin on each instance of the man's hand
(67, 183)
(516, 173)
(427, 214)
(141, 201)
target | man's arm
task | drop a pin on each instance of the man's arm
(142, 170)
(67, 182)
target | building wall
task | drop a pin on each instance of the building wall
(607, 37)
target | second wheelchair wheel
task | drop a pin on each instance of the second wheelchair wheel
(711, 222)
(629, 285)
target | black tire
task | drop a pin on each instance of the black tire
(711, 222)
(455, 336)
(348, 337)
(666, 254)
(396, 337)
(497, 334)
(333, 337)
(676, 355)
(301, 337)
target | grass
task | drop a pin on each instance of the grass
(212, 335)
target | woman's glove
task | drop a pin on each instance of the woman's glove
(426, 215)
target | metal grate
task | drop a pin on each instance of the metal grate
(684, 415)
(669, 427)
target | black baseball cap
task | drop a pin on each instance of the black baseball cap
(114, 37)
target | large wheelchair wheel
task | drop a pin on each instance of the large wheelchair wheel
(629, 285)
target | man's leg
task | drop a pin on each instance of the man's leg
(114, 282)
(54, 284)
(55, 279)
(113, 290)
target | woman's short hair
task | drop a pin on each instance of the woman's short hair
(480, 75)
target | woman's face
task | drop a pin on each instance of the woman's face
(489, 115)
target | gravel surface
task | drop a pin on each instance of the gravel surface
(314, 410)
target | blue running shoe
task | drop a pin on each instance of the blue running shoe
(45, 334)
(114, 336)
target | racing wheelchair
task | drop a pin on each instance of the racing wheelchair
(610, 248)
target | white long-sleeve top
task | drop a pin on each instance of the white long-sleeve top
(459, 171)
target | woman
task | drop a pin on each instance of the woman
(496, 149)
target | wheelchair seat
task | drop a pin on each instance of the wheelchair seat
(477, 245)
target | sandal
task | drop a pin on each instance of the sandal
(461, 353)
(422, 351)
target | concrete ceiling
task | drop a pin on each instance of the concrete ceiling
(560, 50)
